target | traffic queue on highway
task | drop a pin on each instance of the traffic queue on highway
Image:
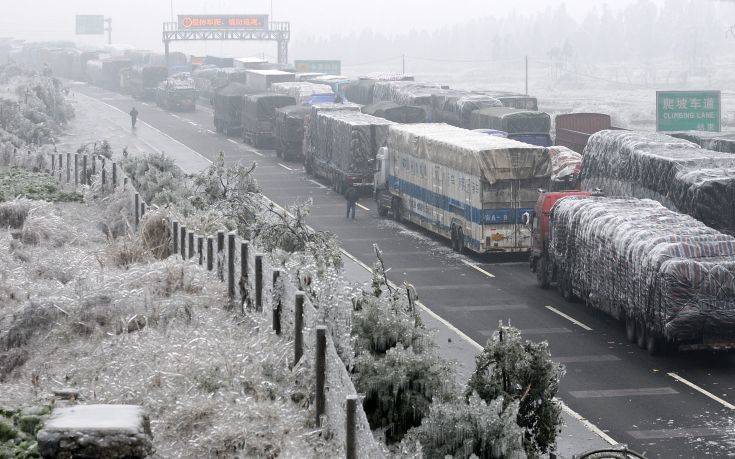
(636, 224)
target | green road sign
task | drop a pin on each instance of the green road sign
(90, 24)
(688, 111)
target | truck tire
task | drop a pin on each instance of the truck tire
(396, 207)
(542, 273)
(640, 334)
(460, 240)
(654, 345)
(630, 329)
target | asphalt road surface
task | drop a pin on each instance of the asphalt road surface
(673, 406)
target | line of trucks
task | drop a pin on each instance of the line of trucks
(654, 249)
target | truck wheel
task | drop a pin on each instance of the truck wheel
(460, 241)
(640, 334)
(630, 329)
(396, 207)
(654, 344)
(542, 273)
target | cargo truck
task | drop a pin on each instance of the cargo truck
(523, 125)
(261, 80)
(573, 130)
(177, 94)
(667, 276)
(289, 131)
(145, 79)
(228, 103)
(468, 187)
(258, 118)
(346, 145)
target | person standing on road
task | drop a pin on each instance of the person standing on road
(133, 117)
(352, 196)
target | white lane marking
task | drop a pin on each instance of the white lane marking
(477, 268)
(569, 318)
(175, 116)
(210, 131)
(587, 423)
(146, 104)
(362, 207)
(285, 167)
(317, 184)
(256, 152)
(154, 128)
(192, 123)
(233, 141)
(707, 393)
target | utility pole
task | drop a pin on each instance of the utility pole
(526, 74)
(403, 67)
(109, 30)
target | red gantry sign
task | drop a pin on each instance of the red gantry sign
(223, 21)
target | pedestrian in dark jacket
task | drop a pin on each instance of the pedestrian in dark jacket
(133, 117)
(352, 196)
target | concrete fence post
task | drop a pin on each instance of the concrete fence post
(125, 183)
(321, 372)
(210, 252)
(220, 254)
(200, 249)
(142, 210)
(76, 170)
(259, 282)
(114, 175)
(94, 164)
(68, 167)
(53, 165)
(276, 302)
(298, 327)
(182, 238)
(61, 166)
(190, 244)
(137, 211)
(351, 426)
(244, 274)
(85, 176)
(231, 265)
(175, 237)
(103, 172)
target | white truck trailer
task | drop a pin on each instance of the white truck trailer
(466, 186)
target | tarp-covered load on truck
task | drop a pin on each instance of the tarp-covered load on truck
(258, 117)
(396, 113)
(261, 80)
(302, 91)
(310, 138)
(677, 173)
(228, 103)
(289, 130)
(455, 107)
(524, 125)
(717, 141)
(346, 145)
(406, 92)
(637, 260)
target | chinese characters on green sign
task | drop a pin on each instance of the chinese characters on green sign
(688, 111)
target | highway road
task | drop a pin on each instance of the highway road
(672, 406)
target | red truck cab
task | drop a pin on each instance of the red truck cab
(540, 226)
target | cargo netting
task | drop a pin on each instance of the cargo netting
(635, 258)
(677, 173)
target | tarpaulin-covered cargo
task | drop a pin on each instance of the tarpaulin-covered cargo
(258, 116)
(512, 99)
(455, 107)
(677, 173)
(566, 165)
(406, 92)
(228, 103)
(289, 130)
(145, 79)
(310, 131)
(469, 187)
(346, 145)
(396, 113)
(177, 93)
(302, 91)
(105, 73)
(360, 91)
(338, 83)
(717, 141)
(637, 260)
(511, 120)
(261, 80)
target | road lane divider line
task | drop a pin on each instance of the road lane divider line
(318, 184)
(211, 131)
(256, 152)
(192, 123)
(233, 141)
(362, 207)
(703, 391)
(477, 268)
(569, 318)
(285, 167)
(175, 116)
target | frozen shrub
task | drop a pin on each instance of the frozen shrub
(30, 319)
(157, 178)
(518, 370)
(11, 360)
(43, 224)
(119, 208)
(474, 428)
(155, 233)
(13, 213)
(125, 251)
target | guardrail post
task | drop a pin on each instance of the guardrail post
(351, 426)
(76, 170)
(220, 254)
(103, 172)
(53, 165)
(182, 237)
(137, 210)
(244, 274)
(190, 244)
(200, 249)
(259, 282)
(321, 372)
(114, 175)
(85, 176)
(277, 300)
(142, 210)
(125, 183)
(175, 238)
(231, 265)
(68, 167)
(94, 164)
(210, 252)
(298, 328)
(61, 166)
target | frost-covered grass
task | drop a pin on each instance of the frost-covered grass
(216, 383)
(20, 182)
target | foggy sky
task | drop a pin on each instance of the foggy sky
(138, 22)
